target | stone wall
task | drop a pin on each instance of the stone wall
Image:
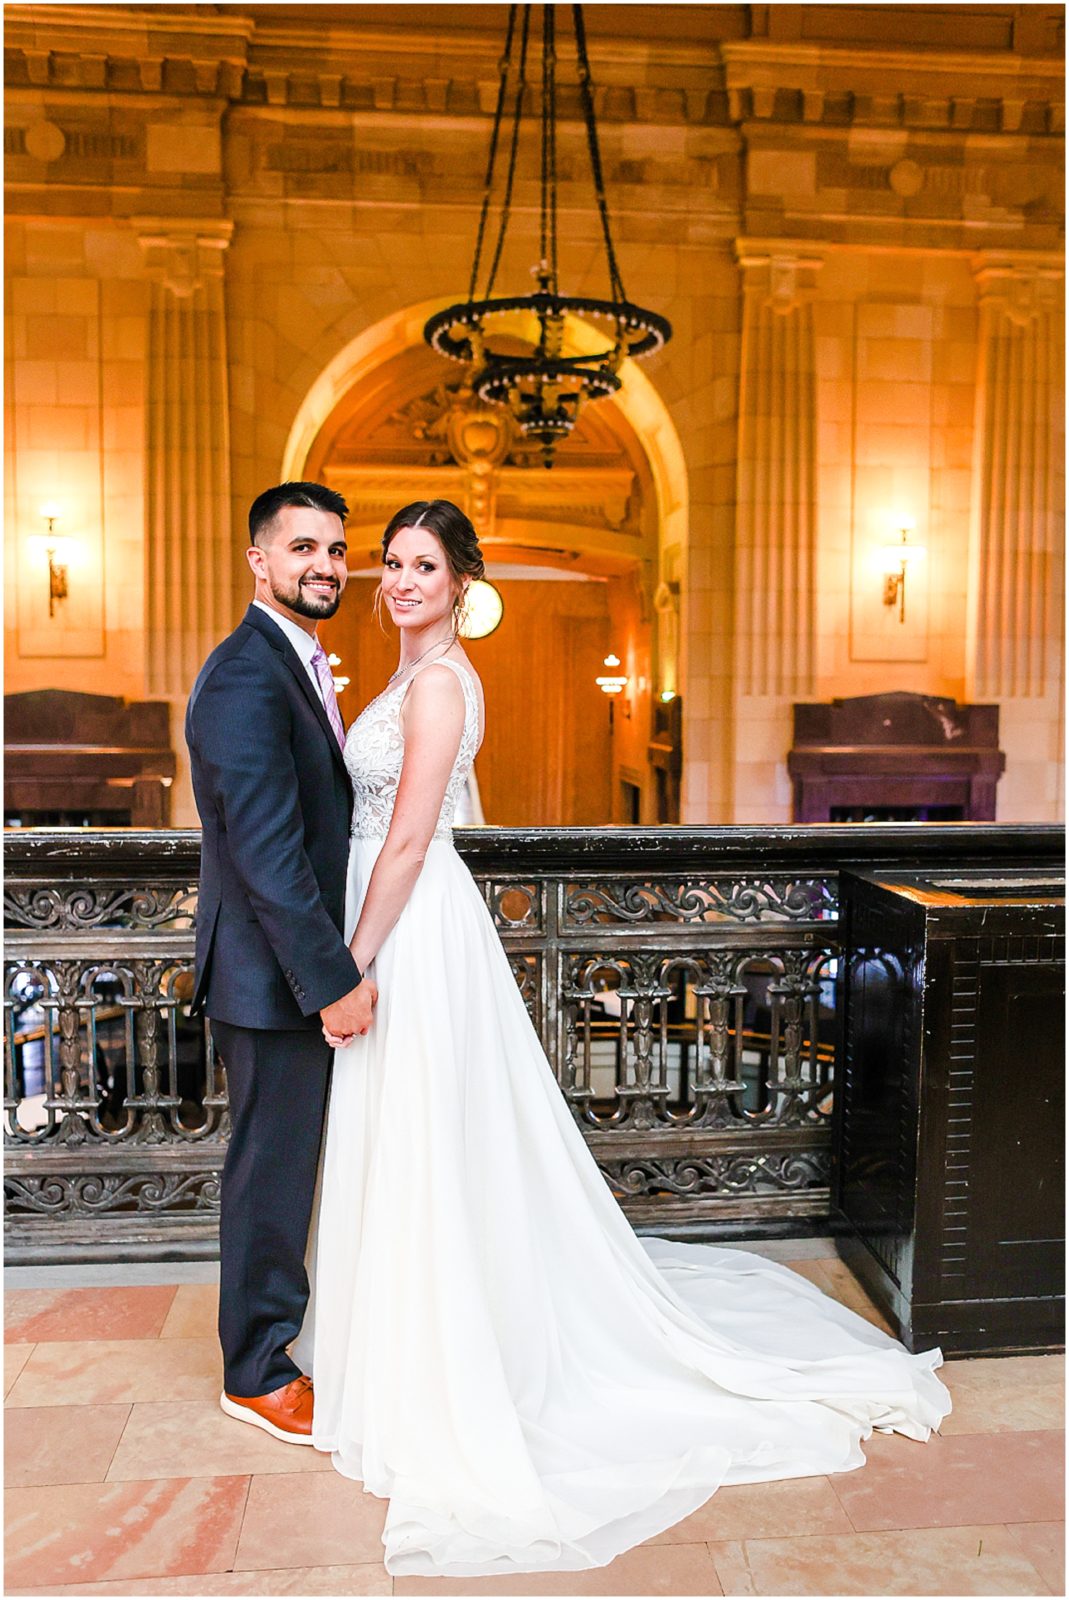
(851, 214)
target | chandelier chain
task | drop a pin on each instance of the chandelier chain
(502, 89)
(538, 377)
(548, 233)
(587, 93)
(553, 157)
(506, 201)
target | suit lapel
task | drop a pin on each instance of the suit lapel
(296, 666)
(278, 641)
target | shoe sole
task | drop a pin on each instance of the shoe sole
(243, 1414)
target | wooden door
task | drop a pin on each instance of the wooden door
(545, 760)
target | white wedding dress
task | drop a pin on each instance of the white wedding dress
(493, 1349)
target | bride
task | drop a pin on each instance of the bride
(493, 1349)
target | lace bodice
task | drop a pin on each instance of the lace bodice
(375, 748)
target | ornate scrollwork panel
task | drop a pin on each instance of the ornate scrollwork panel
(714, 900)
(689, 1176)
(89, 1195)
(89, 905)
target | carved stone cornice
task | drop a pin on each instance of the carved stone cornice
(352, 67)
(123, 50)
(183, 253)
(834, 84)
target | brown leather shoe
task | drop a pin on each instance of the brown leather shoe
(286, 1413)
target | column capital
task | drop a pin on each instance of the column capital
(780, 273)
(1022, 284)
(183, 253)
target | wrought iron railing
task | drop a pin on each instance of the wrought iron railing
(683, 982)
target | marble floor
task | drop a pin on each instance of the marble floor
(125, 1478)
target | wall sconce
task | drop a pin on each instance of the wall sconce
(57, 570)
(896, 559)
(612, 684)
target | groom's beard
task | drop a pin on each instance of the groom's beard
(307, 604)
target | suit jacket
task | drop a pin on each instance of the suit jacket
(275, 804)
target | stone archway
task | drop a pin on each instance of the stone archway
(611, 516)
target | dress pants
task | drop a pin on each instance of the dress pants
(278, 1095)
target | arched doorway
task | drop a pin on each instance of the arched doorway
(579, 555)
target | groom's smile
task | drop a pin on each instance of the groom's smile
(299, 562)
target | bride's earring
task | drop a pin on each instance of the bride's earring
(376, 608)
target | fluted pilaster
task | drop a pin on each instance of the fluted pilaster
(776, 517)
(1017, 524)
(188, 543)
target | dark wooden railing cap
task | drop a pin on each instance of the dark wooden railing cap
(810, 848)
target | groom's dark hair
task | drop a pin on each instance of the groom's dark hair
(266, 507)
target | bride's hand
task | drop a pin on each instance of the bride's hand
(338, 1041)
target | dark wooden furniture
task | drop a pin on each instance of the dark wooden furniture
(86, 759)
(895, 757)
(947, 1160)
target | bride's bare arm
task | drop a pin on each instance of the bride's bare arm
(433, 723)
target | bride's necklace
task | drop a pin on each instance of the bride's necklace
(409, 664)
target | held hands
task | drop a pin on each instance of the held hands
(350, 1015)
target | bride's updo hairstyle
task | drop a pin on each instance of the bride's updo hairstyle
(454, 533)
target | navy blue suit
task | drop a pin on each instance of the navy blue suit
(275, 804)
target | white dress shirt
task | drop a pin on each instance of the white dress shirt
(303, 643)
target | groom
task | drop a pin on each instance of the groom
(273, 970)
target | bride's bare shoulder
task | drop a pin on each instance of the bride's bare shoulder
(457, 654)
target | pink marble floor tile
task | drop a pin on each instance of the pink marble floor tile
(34, 1315)
(15, 1358)
(309, 1519)
(997, 1394)
(922, 1561)
(763, 1510)
(372, 1579)
(110, 1372)
(1044, 1545)
(93, 1532)
(662, 1569)
(971, 1478)
(194, 1439)
(194, 1312)
(61, 1444)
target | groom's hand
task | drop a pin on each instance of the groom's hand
(351, 1014)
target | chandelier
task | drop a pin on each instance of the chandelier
(515, 343)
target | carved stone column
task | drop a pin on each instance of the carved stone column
(1018, 514)
(189, 558)
(776, 516)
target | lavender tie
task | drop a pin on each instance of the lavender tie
(330, 699)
